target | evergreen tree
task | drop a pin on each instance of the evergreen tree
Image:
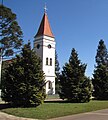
(10, 32)
(75, 87)
(100, 76)
(23, 83)
(57, 73)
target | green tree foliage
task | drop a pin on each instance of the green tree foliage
(75, 87)
(57, 73)
(100, 76)
(24, 81)
(10, 32)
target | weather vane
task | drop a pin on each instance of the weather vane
(45, 8)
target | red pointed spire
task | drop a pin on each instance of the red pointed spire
(45, 28)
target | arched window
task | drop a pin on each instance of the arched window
(46, 61)
(51, 61)
(49, 85)
(38, 46)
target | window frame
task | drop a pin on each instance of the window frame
(50, 61)
(47, 61)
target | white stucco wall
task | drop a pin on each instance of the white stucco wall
(45, 52)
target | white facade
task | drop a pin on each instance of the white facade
(45, 49)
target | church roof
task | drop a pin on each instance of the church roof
(44, 28)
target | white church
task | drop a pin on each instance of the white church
(44, 46)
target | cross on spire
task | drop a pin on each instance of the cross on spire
(45, 8)
(44, 28)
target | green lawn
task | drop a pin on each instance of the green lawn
(52, 110)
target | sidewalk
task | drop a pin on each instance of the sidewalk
(96, 115)
(4, 116)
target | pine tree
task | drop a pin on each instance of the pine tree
(23, 83)
(75, 87)
(100, 76)
(10, 32)
(57, 73)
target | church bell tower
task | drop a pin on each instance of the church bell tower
(44, 45)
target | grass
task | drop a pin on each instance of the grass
(56, 109)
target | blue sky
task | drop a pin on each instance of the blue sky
(78, 24)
